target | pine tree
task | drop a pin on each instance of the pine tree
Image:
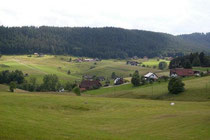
(175, 86)
(136, 79)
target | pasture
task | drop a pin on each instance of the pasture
(196, 89)
(45, 116)
(154, 62)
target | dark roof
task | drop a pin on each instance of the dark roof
(87, 84)
(132, 62)
(182, 72)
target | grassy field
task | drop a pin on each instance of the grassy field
(197, 89)
(59, 65)
(204, 69)
(154, 62)
(43, 116)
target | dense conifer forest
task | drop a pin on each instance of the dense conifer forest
(107, 42)
(191, 60)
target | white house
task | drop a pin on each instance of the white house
(150, 75)
(118, 81)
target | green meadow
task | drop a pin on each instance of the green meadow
(154, 62)
(46, 116)
(196, 89)
(109, 113)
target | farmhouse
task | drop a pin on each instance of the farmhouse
(89, 60)
(181, 72)
(135, 57)
(118, 81)
(78, 60)
(41, 55)
(132, 63)
(87, 84)
(150, 76)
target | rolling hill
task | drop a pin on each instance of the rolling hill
(47, 116)
(105, 42)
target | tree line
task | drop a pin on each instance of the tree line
(191, 60)
(16, 79)
(103, 43)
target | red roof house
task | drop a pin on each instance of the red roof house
(181, 72)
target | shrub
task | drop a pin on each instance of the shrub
(12, 86)
(68, 72)
(76, 90)
(92, 67)
(107, 82)
(165, 78)
(143, 81)
(175, 86)
(68, 86)
(113, 75)
(162, 65)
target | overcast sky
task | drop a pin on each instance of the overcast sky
(170, 16)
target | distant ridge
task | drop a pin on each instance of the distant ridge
(107, 42)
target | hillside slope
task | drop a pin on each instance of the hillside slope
(94, 42)
(34, 116)
(196, 89)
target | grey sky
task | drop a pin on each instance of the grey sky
(170, 16)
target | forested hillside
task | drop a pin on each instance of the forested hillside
(96, 42)
(197, 38)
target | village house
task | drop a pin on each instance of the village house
(89, 60)
(151, 76)
(89, 84)
(78, 60)
(61, 90)
(132, 63)
(118, 81)
(135, 57)
(36, 54)
(181, 72)
(41, 55)
(196, 72)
